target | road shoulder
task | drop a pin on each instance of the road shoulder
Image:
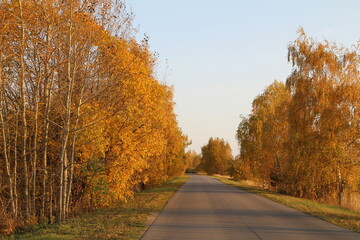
(342, 217)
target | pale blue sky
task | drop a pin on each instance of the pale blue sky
(222, 54)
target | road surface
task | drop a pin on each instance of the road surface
(205, 208)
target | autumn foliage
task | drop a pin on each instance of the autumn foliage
(84, 122)
(303, 137)
(215, 157)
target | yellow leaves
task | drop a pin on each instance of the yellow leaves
(90, 96)
(216, 156)
(116, 113)
(142, 142)
(305, 141)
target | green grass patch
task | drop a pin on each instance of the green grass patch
(334, 214)
(125, 221)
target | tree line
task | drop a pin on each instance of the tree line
(84, 121)
(303, 137)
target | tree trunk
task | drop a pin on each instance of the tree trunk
(72, 156)
(5, 147)
(44, 143)
(51, 201)
(23, 113)
(66, 129)
(34, 165)
(340, 186)
(15, 167)
(47, 95)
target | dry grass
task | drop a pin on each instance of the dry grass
(125, 221)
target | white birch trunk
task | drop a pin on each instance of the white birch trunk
(5, 147)
(23, 113)
(66, 129)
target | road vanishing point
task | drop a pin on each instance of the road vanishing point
(205, 208)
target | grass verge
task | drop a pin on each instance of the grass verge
(124, 221)
(340, 216)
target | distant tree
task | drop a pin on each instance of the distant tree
(193, 159)
(215, 156)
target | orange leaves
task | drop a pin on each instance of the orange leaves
(91, 96)
(306, 140)
(263, 135)
(141, 142)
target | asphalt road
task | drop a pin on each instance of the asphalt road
(205, 208)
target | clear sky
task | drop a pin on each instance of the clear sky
(222, 54)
